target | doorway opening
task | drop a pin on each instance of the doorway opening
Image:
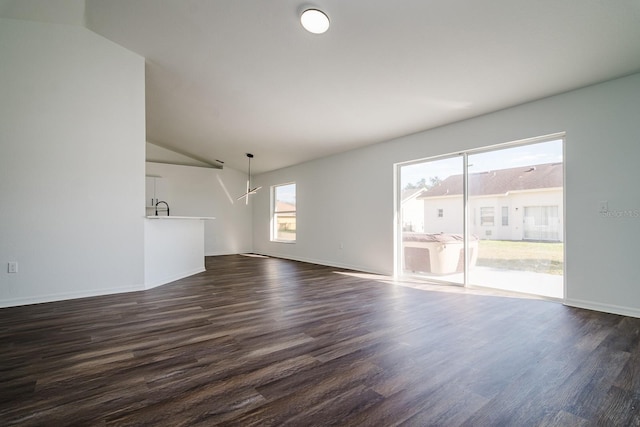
(490, 217)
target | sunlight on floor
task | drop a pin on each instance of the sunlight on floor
(425, 284)
(255, 255)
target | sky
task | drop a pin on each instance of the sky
(523, 155)
(287, 193)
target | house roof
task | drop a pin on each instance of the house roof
(284, 206)
(501, 181)
(411, 193)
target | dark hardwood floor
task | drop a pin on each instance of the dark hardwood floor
(263, 341)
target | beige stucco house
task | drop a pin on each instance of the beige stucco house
(522, 203)
(412, 210)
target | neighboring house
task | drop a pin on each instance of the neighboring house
(286, 221)
(523, 203)
(412, 210)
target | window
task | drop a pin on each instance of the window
(440, 213)
(505, 216)
(542, 223)
(283, 219)
(486, 216)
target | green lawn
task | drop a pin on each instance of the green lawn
(539, 257)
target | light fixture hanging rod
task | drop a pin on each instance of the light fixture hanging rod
(249, 189)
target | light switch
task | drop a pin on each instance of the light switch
(13, 267)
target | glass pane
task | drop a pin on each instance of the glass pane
(285, 226)
(541, 223)
(432, 219)
(523, 249)
(284, 217)
(285, 198)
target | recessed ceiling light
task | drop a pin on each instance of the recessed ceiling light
(315, 21)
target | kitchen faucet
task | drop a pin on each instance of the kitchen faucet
(162, 201)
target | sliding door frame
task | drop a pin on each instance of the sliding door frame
(398, 243)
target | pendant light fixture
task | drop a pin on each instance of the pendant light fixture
(249, 189)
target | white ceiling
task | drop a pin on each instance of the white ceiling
(226, 77)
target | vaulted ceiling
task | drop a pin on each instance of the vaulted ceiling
(226, 77)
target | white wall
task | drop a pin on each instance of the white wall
(348, 198)
(69, 12)
(72, 139)
(197, 191)
(345, 199)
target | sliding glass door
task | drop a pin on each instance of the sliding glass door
(516, 209)
(432, 219)
(511, 199)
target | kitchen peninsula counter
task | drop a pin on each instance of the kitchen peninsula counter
(173, 248)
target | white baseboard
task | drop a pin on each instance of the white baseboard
(607, 308)
(173, 278)
(223, 253)
(40, 299)
(326, 263)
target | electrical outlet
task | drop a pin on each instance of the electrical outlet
(341, 246)
(12, 267)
